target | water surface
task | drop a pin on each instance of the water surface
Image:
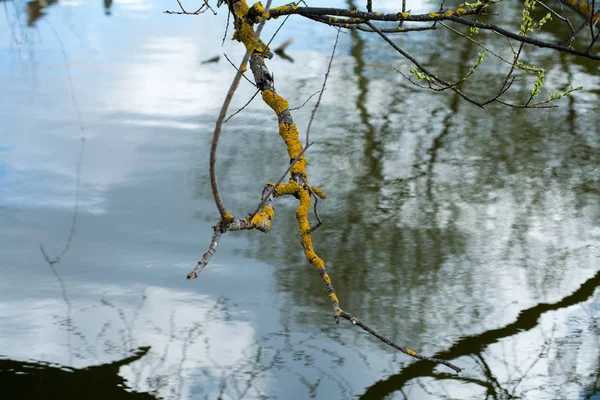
(467, 234)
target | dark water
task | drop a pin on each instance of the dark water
(467, 234)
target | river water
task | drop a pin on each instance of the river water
(465, 234)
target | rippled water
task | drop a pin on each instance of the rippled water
(467, 234)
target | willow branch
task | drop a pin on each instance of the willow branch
(347, 18)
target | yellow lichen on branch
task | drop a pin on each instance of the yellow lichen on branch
(244, 27)
(318, 192)
(275, 101)
(302, 217)
(259, 9)
(228, 217)
(287, 189)
(282, 9)
(262, 220)
(309, 252)
(289, 134)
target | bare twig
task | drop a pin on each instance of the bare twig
(237, 69)
(183, 11)
(314, 111)
(356, 321)
(244, 106)
(276, 32)
(212, 248)
(307, 100)
(476, 42)
(316, 210)
(226, 27)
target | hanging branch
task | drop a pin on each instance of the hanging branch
(245, 19)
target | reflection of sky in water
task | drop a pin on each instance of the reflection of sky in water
(175, 325)
(105, 59)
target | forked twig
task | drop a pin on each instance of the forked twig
(220, 228)
(294, 161)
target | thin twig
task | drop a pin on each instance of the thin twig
(226, 27)
(356, 321)
(314, 111)
(307, 100)
(315, 208)
(277, 31)
(212, 248)
(568, 21)
(420, 67)
(237, 69)
(185, 12)
(244, 106)
(476, 42)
